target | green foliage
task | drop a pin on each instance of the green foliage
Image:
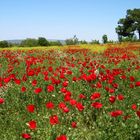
(4, 44)
(105, 39)
(43, 41)
(72, 41)
(95, 42)
(29, 42)
(129, 39)
(135, 16)
(83, 42)
(128, 25)
(55, 43)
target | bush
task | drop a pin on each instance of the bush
(83, 42)
(129, 39)
(72, 41)
(4, 44)
(43, 42)
(55, 43)
(95, 42)
(105, 39)
(29, 42)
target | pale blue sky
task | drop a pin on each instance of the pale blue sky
(61, 19)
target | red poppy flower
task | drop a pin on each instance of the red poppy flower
(50, 88)
(54, 120)
(115, 85)
(99, 85)
(49, 105)
(79, 106)
(38, 90)
(120, 97)
(50, 69)
(31, 108)
(74, 79)
(134, 106)
(95, 95)
(31, 73)
(34, 82)
(132, 79)
(67, 97)
(26, 136)
(112, 99)
(97, 105)
(127, 117)
(17, 81)
(137, 83)
(7, 80)
(1, 100)
(24, 78)
(116, 113)
(65, 83)
(23, 89)
(73, 124)
(131, 86)
(111, 90)
(32, 124)
(62, 105)
(107, 89)
(72, 102)
(46, 78)
(138, 113)
(63, 90)
(123, 77)
(69, 72)
(65, 109)
(82, 96)
(62, 137)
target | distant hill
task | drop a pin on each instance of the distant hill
(18, 41)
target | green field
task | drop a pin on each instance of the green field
(82, 92)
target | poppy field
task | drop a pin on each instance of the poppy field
(70, 94)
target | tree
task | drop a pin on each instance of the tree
(128, 25)
(69, 42)
(72, 41)
(104, 38)
(83, 42)
(43, 42)
(4, 44)
(135, 16)
(29, 42)
(95, 42)
(125, 28)
(55, 43)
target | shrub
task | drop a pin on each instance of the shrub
(4, 44)
(29, 42)
(43, 41)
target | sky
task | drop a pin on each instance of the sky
(62, 19)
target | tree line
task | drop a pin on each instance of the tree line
(31, 42)
(41, 41)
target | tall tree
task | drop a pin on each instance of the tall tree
(72, 41)
(105, 39)
(135, 16)
(125, 28)
(29, 42)
(43, 41)
(4, 44)
(128, 25)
